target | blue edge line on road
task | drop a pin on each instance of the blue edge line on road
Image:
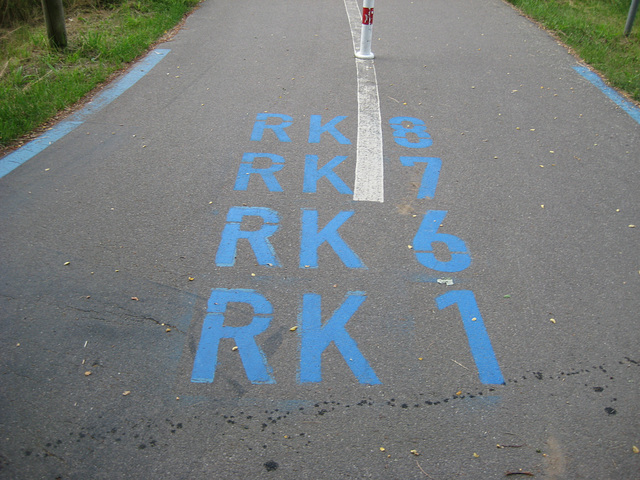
(31, 149)
(595, 79)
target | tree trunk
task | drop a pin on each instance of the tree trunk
(54, 19)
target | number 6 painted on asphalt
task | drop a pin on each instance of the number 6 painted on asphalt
(428, 234)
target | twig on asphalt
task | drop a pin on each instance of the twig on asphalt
(459, 364)
(421, 469)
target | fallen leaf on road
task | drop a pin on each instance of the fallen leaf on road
(293, 329)
(635, 449)
(135, 298)
(87, 373)
(415, 452)
(127, 392)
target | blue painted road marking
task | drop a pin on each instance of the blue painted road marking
(311, 239)
(312, 174)
(258, 239)
(261, 125)
(428, 234)
(213, 330)
(595, 79)
(31, 149)
(481, 349)
(419, 130)
(430, 176)
(246, 169)
(316, 337)
(316, 129)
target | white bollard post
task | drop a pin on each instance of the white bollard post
(365, 33)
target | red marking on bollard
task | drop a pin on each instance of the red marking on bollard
(367, 16)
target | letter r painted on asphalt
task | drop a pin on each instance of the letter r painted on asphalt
(315, 337)
(213, 330)
(247, 169)
(261, 125)
(258, 239)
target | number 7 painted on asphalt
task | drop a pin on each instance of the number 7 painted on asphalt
(481, 349)
(431, 174)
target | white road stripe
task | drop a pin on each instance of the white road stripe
(369, 182)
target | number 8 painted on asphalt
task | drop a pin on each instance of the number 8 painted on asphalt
(419, 129)
(428, 234)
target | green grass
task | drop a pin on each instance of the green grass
(36, 82)
(594, 29)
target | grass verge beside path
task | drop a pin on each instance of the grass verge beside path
(37, 83)
(594, 29)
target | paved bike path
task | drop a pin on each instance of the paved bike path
(477, 319)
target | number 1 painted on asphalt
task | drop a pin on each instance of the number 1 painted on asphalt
(481, 349)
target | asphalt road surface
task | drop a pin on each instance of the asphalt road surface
(258, 257)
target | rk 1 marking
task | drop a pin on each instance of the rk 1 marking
(314, 334)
